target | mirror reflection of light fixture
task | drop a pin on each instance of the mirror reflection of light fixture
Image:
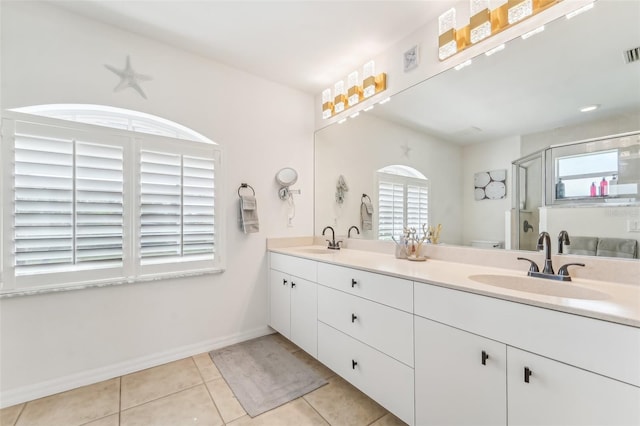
(484, 23)
(355, 92)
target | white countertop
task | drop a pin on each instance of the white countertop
(621, 303)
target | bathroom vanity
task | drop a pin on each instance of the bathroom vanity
(434, 346)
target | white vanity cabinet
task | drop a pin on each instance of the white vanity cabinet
(560, 368)
(365, 334)
(293, 300)
(547, 392)
(460, 377)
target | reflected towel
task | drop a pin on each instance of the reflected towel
(585, 246)
(617, 247)
(249, 214)
(366, 216)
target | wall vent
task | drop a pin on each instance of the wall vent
(632, 55)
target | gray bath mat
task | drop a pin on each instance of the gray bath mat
(263, 375)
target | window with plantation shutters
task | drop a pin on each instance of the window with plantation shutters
(177, 209)
(85, 205)
(68, 203)
(403, 200)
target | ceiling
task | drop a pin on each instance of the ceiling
(307, 45)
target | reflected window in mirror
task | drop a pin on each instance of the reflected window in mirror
(403, 200)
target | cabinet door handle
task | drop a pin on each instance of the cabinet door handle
(284, 282)
(354, 317)
(353, 364)
(353, 282)
(293, 284)
(485, 357)
(527, 373)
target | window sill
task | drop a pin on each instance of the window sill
(5, 294)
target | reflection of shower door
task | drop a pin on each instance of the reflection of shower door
(529, 176)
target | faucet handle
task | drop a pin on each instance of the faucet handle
(533, 267)
(564, 271)
(338, 244)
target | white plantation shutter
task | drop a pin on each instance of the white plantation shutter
(403, 201)
(390, 209)
(417, 206)
(68, 203)
(177, 209)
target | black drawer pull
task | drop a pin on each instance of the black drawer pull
(353, 364)
(354, 317)
(485, 357)
(293, 284)
(527, 373)
(284, 282)
(353, 282)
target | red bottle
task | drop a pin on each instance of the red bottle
(592, 192)
(604, 188)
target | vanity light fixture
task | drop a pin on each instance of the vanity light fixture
(462, 65)
(355, 92)
(579, 11)
(532, 33)
(589, 108)
(495, 50)
(327, 103)
(339, 99)
(485, 23)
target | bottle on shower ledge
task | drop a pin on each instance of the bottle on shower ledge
(559, 189)
(604, 188)
(592, 191)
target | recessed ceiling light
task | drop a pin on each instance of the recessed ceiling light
(589, 108)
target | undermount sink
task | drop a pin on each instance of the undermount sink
(316, 250)
(539, 286)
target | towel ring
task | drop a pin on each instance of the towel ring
(365, 196)
(246, 185)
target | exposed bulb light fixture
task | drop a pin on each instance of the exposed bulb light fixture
(463, 65)
(485, 23)
(589, 108)
(495, 50)
(532, 33)
(354, 93)
(579, 11)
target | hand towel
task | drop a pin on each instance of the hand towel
(366, 216)
(617, 247)
(249, 214)
(585, 246)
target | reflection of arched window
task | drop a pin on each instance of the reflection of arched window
(403, 200)
(102, 194)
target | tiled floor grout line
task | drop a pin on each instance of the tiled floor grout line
(20, 413)
(120, 403)
(207, 388)
(314, 408)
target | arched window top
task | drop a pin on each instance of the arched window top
(117, 118)
(400, 170)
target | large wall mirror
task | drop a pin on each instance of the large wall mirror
(463, 129)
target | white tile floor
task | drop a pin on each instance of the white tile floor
(191, 391)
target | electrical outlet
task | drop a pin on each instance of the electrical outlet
(633, 225)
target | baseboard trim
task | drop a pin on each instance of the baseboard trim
(28, 393)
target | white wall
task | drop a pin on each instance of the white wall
(360, 147)
(54, 341)
(485, 219)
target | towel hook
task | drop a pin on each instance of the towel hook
(246, 185)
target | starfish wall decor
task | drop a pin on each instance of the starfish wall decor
(129, 78)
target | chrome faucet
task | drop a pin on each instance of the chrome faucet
(349, 232)
(563, 238)
(333, 245)
(544, 242)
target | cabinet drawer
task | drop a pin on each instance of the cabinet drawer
(391, 291)
(296, 266)
(603, 347)
(387, 329)
(384, 379)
